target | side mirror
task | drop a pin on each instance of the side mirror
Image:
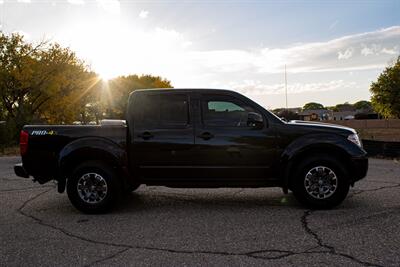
(255, 120)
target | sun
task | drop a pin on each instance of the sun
(105, 75)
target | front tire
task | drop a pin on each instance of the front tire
(320, 182)
(93, 187)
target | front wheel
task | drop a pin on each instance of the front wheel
(320, 182)
(93, 187)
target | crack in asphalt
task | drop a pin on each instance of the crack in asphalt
(283, 253)
(378, 181)
(108, 257)
(273, 254)
(330, 249)
(24, 189)
(360, 191)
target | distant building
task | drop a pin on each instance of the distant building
(343, 115)
(354, 114)
(344, 112)
(315, 115)
(294, 110)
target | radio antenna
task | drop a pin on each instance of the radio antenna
(286, 88)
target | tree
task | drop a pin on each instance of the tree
(386, 91)
(313, 105)
(47, 83)
(42, 82)
(344, 107)
(363, 104)
(116, 92)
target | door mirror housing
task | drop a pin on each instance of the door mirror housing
(255, 120)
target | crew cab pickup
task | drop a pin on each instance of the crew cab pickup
(193, 138)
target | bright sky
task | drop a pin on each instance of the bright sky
(332, 50)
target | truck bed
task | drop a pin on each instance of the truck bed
(47, 141)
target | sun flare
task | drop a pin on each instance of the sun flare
(105, 75)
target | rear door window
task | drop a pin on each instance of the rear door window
(161, 111)
(174, 110)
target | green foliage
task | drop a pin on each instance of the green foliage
(344, 107)
(386, 91)
(363, 104)
(42, 82)
(47, 83)
(313, 105)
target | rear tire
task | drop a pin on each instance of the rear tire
(93, 187)
(320, 181)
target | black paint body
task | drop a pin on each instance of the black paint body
(193, 154)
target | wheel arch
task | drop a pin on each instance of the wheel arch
(294, 155)
(92, 149)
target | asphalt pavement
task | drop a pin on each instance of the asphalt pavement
(159, 226)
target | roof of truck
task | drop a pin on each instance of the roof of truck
(185, 90)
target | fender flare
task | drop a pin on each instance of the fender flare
(335, 144)
(90, 148)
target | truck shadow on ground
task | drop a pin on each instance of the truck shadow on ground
(163, 199)
(147, 200)
(214, 200)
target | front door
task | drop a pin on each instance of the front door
(228, 146)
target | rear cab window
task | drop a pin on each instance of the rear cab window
(161, 110)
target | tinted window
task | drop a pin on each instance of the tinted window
(225, 112)
(146, 110)
(173, 110)
(161, 110)
(220, 106)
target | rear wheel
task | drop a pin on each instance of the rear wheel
(320, 181)
(93, 187)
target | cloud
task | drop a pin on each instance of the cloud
(76, 2)
(110, 6)
(1, 2)
(24, 1)
(366, 51)
(370, 50)
(171, 54)
(255, 87)
(348, 53)
(395, 50)
(378, 49)
(143, 14)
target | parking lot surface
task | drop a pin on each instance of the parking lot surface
(158, 226)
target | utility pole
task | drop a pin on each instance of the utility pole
(286, 88)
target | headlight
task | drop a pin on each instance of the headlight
(355, 139)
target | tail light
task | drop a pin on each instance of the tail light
(23, 142)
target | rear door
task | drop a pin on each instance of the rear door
(163, 134)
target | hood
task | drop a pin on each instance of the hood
(322, 126)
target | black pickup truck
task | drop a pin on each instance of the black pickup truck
(193, 138)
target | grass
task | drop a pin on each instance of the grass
(9, 151)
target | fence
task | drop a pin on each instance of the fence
(379, 148)
(369, 124)
(379, 130)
